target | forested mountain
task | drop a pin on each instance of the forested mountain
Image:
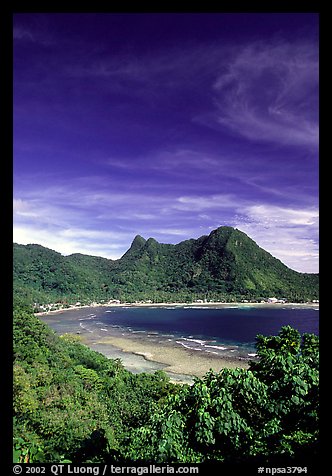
(73, 405)
(225, 265)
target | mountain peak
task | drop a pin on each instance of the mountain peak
(226, 264)
(152, 241)
(138, 242)
(225, 230)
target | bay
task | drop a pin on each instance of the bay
(225, 331)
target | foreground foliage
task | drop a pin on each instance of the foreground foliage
(74, 404)
(266, 413)
(71, 403)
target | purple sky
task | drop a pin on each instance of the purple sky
(166, 125)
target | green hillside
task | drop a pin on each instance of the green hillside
(72, 404)
(43, 275)
(225, 265)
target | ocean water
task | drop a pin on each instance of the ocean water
(223, 332)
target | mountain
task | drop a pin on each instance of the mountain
(225, 265)
(43, 275)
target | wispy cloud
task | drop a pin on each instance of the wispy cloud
(104, 223)
(169, 140)
(200, 203)
(266, 94)
(267, 214)
(260, 91)
(289, 234)
(72, 240)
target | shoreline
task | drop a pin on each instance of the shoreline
(139, 354)
(180, 364)
(216, 305)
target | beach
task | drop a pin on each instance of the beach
(139, 352)
(182, 358)
(179, 363)
(216, 305)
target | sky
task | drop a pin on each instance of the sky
(168, 126)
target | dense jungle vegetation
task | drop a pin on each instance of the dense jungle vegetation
(225, 266)
(72, 404)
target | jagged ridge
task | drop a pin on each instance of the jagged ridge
(225, 264)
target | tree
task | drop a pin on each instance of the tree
(266, 413)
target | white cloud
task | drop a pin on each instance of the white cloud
(267, 214)
(199, 203)
(268, 92)
(71, 220)
(66, 222)
(70, 241)
(23, 208)
(287, 233)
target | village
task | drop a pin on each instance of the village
(62, 306)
